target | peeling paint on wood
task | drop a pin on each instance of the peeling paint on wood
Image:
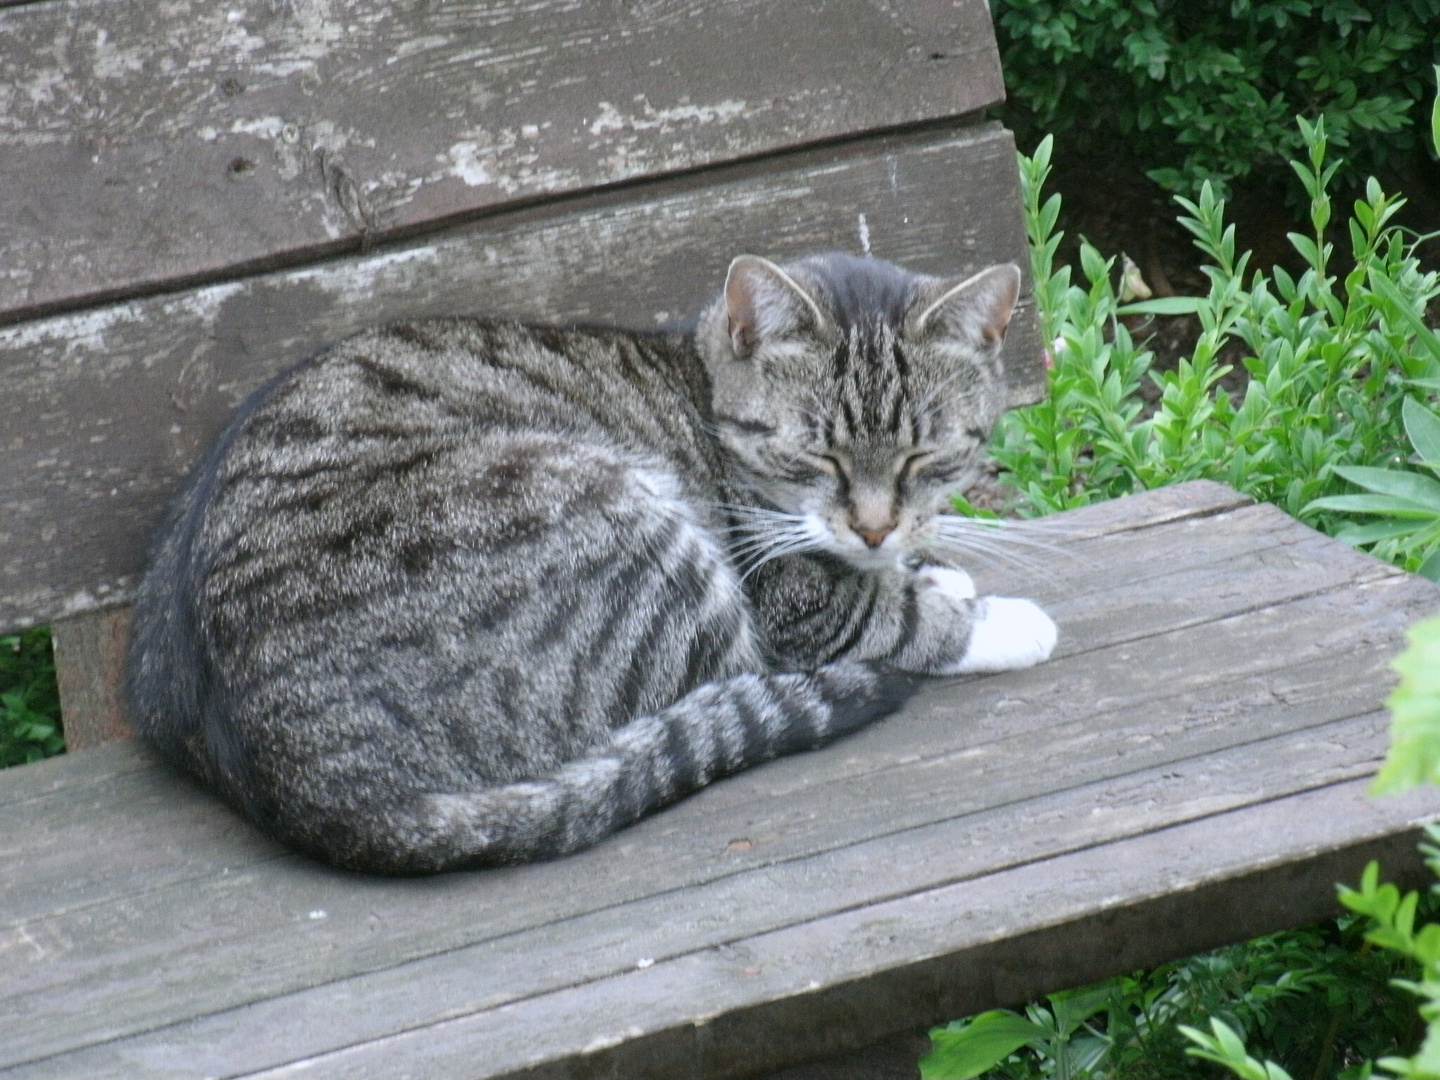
(149, 143)
(104, 410)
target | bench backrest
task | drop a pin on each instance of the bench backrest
(191, 200)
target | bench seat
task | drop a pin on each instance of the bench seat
(1188, 770)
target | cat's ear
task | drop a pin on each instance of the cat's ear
(764, 303)
(977, 308)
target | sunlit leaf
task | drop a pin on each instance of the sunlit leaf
(1414, 756)
(967, 1051)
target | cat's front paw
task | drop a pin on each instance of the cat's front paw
(1008, 634)
(955, 584)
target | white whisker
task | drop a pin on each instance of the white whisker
(997, 532)
(794, 546)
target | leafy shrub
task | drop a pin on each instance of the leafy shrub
(29, 699)
(1316, 998)
(1207, 89)
(1408, 503)
(1327, 365)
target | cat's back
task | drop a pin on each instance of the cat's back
(376, 411)
(613, 382)
(405, 474)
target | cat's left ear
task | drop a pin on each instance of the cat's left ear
(764, 303)
(977, 308)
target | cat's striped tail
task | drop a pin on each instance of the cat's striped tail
(717, 729)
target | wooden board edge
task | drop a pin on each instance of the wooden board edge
(799, 993)
(68, 771)
(1111, 944)
(1066, 954)
(1147, 509)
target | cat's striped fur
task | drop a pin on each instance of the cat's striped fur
(462, 592)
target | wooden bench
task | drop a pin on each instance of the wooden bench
(1188, 770)
(195, 194)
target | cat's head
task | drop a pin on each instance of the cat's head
(855, 396)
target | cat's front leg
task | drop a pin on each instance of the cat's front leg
(960, 633)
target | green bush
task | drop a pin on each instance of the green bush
(1207, 89)
(29, 699)
(1328, 366)
(1316, 998)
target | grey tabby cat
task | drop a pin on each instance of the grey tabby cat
(458, 592)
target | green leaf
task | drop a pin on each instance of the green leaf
(1371, 504)
(1414, 755)
(1401, 306)
(1373, 531)
(1410, 486)
(1073, 1007)
(1435, 114)
(1228, 1049)
(1306, 247)
(1423, 427)
(1430, 568)
(1164, 305)
(966, 1052)
(965, 508)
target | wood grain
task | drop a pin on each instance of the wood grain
(144, 145)
(106, 409)
(1149, 778)
(765, 999)
(1068, 697)
(89, 662)
(849, 977)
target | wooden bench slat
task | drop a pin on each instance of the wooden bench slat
(158, 143)
(1150, 509)
(505, 979)
(105, 410)
(1306, 675)
(835, 978)
(171, 839)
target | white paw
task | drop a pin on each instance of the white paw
(1010, 634)
(955, 584)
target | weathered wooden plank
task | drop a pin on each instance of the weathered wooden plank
(1148, 509)
(727, 977)
(156, 143)
(641, 1025)
(68, 773)
(89, 659)
(142, 956)
(104, 410)
(1217, 566)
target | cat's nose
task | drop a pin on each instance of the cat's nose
(874, 537)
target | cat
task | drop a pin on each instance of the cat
(465, 592)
